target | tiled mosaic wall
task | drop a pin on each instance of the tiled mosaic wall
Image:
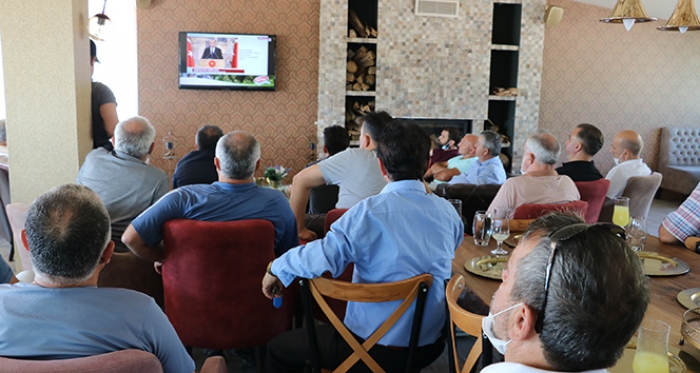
(431, 67)
(601, 74)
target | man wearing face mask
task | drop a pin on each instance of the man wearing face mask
(559, 307)
(626, 147)
(539, 182)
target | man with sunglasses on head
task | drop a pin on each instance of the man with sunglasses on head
(572, 296)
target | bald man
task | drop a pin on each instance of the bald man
(444, 171)
(539, 183)
(626, 147)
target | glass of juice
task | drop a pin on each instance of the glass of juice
(621, 212)
(652, 348)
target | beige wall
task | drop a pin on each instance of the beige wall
(282, 121)
(47, 90)
(598, 73)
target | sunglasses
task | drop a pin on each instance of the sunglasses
(561, 235)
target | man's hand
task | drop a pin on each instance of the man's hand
(268, 283)
(307, 235)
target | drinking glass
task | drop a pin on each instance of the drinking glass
(652, 348)
(457, 204)
(621, 212)
(636, 233)
(500, 230)
(482, 228)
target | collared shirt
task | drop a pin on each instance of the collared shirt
(507, 367)
(685, 222)
(459, 162)
(619, 175)
(580, 171)
(197, 167)
(221, 202)
(490, 171)
(398, 234)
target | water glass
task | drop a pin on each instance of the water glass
(636, 232)
(482, 228)
(457, 204)
(652, 348)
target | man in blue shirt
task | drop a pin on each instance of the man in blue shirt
(488, 169)
(63, 314)
(234, 197)
(197, 167)
(389, 237)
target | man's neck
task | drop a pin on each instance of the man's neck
(484, 159)
(539, 169)
(580, 156)
(227, 180)
(527, 353)
(46, 283)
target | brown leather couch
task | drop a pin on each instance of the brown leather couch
(474, 198)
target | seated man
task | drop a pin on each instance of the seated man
(234, 197)
(626, 148)
(583, 315)
(443, 172)
(449, 137)
(197, 167)
(684, 222)
(63, 314)
(354, 171)
(488, 169)
(583, 143)
(380, 235)
(323, 198)
(126, 184)
(539, 182)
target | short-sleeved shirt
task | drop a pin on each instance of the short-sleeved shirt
(221, 201)
(101, 94)
(126, 185)
(522, 190)
(5, 272)
(685, 222)
(197, 167)
(490, 171)
(460, 163)
(356, 172)
(580, 171)
(64, 323)
(620, 174)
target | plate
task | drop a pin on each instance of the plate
(675, 364)
(656, 264)
(689, 298)
(490, 266)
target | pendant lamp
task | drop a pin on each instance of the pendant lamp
(684, 18)
(628, 12)
(99, 25)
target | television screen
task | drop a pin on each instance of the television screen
(227, 61)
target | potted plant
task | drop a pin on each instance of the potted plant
(274, 175)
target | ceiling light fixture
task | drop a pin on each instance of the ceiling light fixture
(628, 12)
(99, 25)
(684, 18)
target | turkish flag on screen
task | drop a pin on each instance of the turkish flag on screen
(190, 57)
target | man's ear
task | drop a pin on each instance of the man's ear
(107, 253)
(382, 168)
(578, 147)
(218, 164)
(24, 239)
(257, 164)
(365, 140)
(523, 323)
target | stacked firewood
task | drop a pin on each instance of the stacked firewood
(359, 29)
(354, 112)
(361, 69)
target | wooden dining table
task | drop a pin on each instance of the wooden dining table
(663, 289)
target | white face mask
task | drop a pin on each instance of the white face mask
(523, 171)
(487, 326)
(616, 160)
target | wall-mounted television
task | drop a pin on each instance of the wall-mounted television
(227, 61)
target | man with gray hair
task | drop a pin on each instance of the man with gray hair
(488, 168)
(123, 179)
(234, 197)
(560, 308)
(626, 150)
(63, 314)
(539, 182)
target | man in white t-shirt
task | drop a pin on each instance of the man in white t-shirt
(540, 182)
(560, 308)
(626, 147)
(355, 171)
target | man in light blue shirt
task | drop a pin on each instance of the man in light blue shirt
(488, 169)
(389, 237)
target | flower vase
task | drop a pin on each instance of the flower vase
(275, 184)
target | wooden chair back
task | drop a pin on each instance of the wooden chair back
(415, 288)
(469, 322)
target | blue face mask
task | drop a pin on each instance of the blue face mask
(446, 147)
(487, 326)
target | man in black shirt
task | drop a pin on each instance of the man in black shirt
(197, 167)
(583, 143)
(104, 109)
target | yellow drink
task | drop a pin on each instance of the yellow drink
(621, 215)
(647, 362)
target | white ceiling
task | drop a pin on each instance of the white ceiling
(655, 8)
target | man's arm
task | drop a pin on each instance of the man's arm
(302, 184)
(434, 169)
(447, 174)
(140, 248)
(108, 112)
(666, 237)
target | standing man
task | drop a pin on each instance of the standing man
(123, 179)
(104, 108)
(213, 52)
(389, 237)
(197, 167)
(583, 143)
(626, 147)
(63, 314)
(488, 168)
(560, 308)
(354, 171)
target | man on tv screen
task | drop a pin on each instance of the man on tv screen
(213, 52)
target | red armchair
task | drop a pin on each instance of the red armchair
(211, 282)
(594, 193)
(535, 210)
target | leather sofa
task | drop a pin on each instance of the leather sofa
(474, 198)
(679, 158)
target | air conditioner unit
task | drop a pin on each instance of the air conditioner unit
(437, 8)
